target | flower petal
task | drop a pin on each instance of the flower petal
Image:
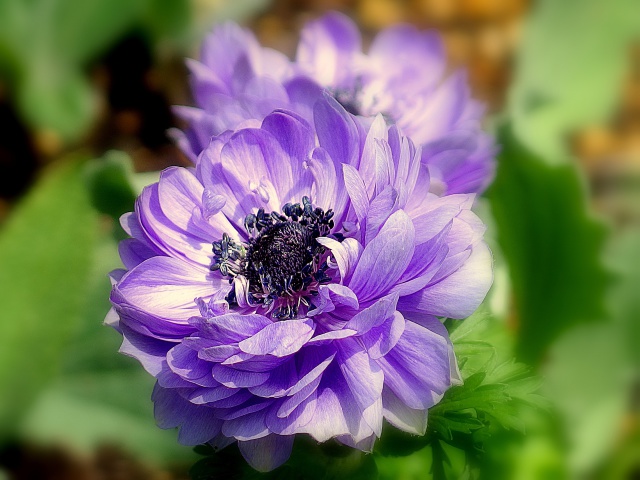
(382, 338)
(167, 287)
(150, 352)
(297, 418)
(232, 327)
(459, 294)
(365, 380)
(401, 416)
(346, 254)
(385, 258)
(247, 427)
(197, 424)
(234, 378)
(337, 412)
(332, 296)
(268, 453)
(338, 132)
(417, 368)
(327, 48)
(279, 339)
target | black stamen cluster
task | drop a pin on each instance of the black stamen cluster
(348, 97)
(282, 261)
(347, 100)
(228, 256)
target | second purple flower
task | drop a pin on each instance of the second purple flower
(403, 76)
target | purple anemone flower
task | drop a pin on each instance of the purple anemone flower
(291, 283)
(403, 77)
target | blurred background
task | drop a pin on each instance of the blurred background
(86, 89)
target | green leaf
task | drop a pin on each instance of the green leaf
(93, 349)
(411, 467)
(109, 184)
(330, 461)
(570, 67)
(538, 455)
(497, 397)
(62, 102)
(46, 251)
(625, 461)
(589, 369)
(396, 443)
(552, 245)
(80, 30)
(470, 415)
(448, 463)
(208, 13)
(167, 17)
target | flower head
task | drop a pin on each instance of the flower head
(291, 282)
(403, 77)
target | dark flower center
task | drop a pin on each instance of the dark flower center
(348, 100)
(351, 100)
(349, 96)
(282, 262)
(280, 252)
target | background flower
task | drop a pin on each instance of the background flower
(260, 357)
(402, 77)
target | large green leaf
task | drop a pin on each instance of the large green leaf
(552, 246)
(46, 249)
(569, 70)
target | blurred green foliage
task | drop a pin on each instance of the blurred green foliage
(46, 47)
(109, 186)
(552, 246)
(46, 253)
(309, 460)
(493, 405)
(569, 70)
(623, 257)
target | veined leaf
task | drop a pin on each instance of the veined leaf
(552, 245)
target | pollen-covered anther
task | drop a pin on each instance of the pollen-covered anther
(228, 256)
